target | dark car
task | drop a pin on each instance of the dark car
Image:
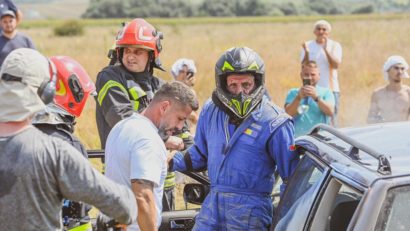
(349, 179)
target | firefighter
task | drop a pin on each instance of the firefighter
(73, 87)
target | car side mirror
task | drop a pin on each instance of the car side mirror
(195, 193)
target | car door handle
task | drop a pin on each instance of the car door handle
(183, 223)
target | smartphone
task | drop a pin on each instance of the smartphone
(190, 75)
(307, 82)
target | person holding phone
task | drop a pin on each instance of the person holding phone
(327, 53)
(309, 105)
(184, 70)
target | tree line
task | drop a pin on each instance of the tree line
(229, 8)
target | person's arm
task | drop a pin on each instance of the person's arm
(304, 53)
(373, 115)
(144, 195)
(281, 146)
(327, 107)
(292, 102)
(292, 107)
(19, 16)
(79, 181)
(334, 56)
(113, 99)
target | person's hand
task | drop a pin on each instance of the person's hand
(190, 81)
(309, 90)
(174, 143)
(325, 43)
(302, 93)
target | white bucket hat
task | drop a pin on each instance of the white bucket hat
(393, 60)
(18, 94)
(180, 63)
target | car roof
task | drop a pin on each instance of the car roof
(389, 140)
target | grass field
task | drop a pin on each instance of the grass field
(367, 41)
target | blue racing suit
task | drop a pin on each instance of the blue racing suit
(241, 162)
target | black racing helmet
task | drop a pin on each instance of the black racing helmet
(240, 60)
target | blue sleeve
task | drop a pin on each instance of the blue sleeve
(198, 152)
(282, 148)
(291, 96)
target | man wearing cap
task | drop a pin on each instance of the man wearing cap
(391, 102)
(36, 170)
(10, 38)
(327, 53)
(9, 5)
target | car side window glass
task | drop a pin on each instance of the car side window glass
(336, 207)
(395, 213)
(300, 195)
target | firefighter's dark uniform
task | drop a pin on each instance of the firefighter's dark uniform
(120, 93)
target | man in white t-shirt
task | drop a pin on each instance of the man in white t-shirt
(328, 56)
(136, 155)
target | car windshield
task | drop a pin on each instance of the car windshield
(299, 195)
(395, 212)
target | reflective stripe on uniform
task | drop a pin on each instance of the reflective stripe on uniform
(184, 135)
(85, 227)
(103, 92)
(135, 94)
(170, 180)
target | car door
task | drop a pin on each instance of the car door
(301, 193)
(183, 219)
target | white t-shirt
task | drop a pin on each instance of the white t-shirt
(317, 54)
(134, 150)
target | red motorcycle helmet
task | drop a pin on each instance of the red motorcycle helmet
(73, 85)
(139, 33)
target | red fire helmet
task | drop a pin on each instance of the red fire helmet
(139, 33)
(73, 85)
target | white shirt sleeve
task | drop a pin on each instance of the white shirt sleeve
(145, 161)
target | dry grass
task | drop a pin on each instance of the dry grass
(367, 42)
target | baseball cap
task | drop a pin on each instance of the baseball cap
(22, 73)
(8, 13)
(393, 60)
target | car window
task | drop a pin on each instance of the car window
(395, 213)
(300, 195)
(336, 207)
